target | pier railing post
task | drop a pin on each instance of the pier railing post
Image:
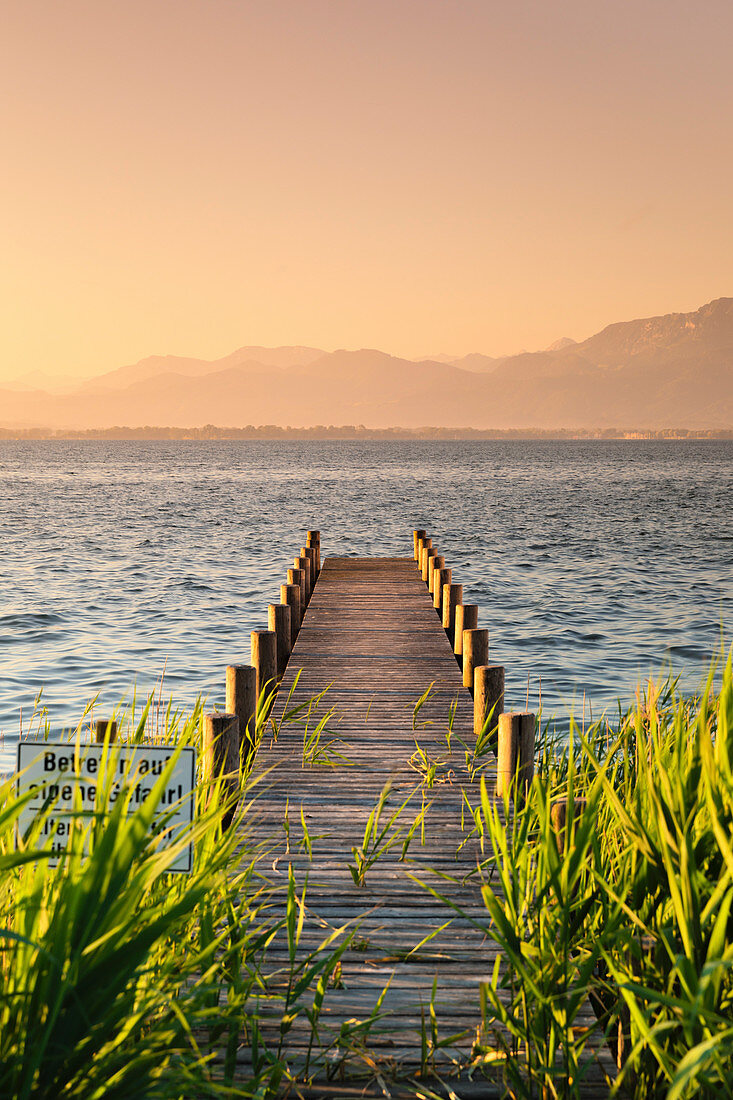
(290, 594)
(515, 762)
(313, 538)
(241, 699)
(563, 813)
(101, 726)
(427, 554)
(452, 596)
(278, 620)
(422, 542)
(466, 618)
(488, 698)
(303, 563)
(297, 576)
(264, 659)
(435, 564)
(416, 536)
(310, 553)
(221, 758)
(441, 581)
(475, 653)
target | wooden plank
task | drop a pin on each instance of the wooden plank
(371, 636)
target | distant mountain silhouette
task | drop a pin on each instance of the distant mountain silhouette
(478, 363)
(561, 344)
(672, 371)
(651, 342)
(247, 359)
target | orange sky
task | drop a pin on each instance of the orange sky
(422, 176)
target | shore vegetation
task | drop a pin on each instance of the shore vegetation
(609, 884)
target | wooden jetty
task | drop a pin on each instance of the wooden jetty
(404, 1004)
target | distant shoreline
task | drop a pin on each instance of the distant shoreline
(349, 431)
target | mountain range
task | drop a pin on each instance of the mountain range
(658, 372)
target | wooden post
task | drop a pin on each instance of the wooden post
(475, 652)
(221, 758)
(313, 538)
(241, 699)
(466, 618)
(425, 545)
(488, 698)
(562, 813)
(278, 620)
(427, 554)
(100, 730)
(264, 659)
(422, 542)
(309, 552)
(290, 594)
(416, 536)
(435, 563)
(297, 576)
(515, 763)
(441, 580)
(304, 564)
(452, 596)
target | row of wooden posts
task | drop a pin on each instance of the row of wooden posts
(229, 735)
(514, 740)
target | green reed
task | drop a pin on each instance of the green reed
(118, 979)
(628, 909)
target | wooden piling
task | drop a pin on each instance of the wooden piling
(290, 594)
(241, 699)
(425, 544)
(101, 726)
(313, 538)
(278, 620)
(304, 564)
(297, 576)
(562, 813)
(442, 580)
(310, 553)
(422, 542)
(221, 758)
(466, 618)
(427, 554)
(488, 698)
(475, 653)
(515, 762)
(264, 659)
(416, 536)
(452, 596)
(436, 563)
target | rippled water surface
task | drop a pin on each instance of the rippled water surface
(592, 563)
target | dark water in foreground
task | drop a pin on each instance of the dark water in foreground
(593, 562)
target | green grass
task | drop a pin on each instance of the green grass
(630, 908)
(120, 980)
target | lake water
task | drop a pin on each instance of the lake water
(593, 563)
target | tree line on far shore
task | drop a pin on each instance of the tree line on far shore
(351, 431)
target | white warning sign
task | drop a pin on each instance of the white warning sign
(66, 778)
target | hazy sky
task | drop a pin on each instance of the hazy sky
(422, 176)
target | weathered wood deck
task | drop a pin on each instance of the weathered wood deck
(372, 637)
